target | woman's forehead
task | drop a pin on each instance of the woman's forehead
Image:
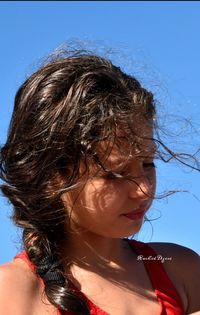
(128, 151)
(136, 126)
(127, 143)
(125, 149)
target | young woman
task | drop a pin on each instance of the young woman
(78, 167)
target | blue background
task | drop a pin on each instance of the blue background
(156, 41)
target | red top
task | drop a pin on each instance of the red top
(167, 295)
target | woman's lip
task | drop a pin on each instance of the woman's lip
(134, 211)
(133, 215)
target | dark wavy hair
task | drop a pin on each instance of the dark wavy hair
(61, 113)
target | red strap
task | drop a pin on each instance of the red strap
(23, 255)
(166, 293)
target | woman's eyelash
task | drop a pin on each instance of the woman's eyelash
(113, 175)
(122, 173)
(151, 164)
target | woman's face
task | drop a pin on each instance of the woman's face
(115, 207)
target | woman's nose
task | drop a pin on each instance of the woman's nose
(141, 187)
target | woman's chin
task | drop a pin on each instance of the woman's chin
(129, 232)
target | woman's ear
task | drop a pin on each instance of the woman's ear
(67, 200)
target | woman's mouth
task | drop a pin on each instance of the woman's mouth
(135, 215)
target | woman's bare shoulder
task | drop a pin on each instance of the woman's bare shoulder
(18, 286)
(20, 291)
(179, 254)
(183, 267)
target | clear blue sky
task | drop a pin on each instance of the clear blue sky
(159, 42)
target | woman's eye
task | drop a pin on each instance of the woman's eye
(114, 175)
(110, 176)
(149, 165)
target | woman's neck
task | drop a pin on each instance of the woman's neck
(93, 250)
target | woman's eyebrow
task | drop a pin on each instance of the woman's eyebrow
(148, 153)
(150, 149)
